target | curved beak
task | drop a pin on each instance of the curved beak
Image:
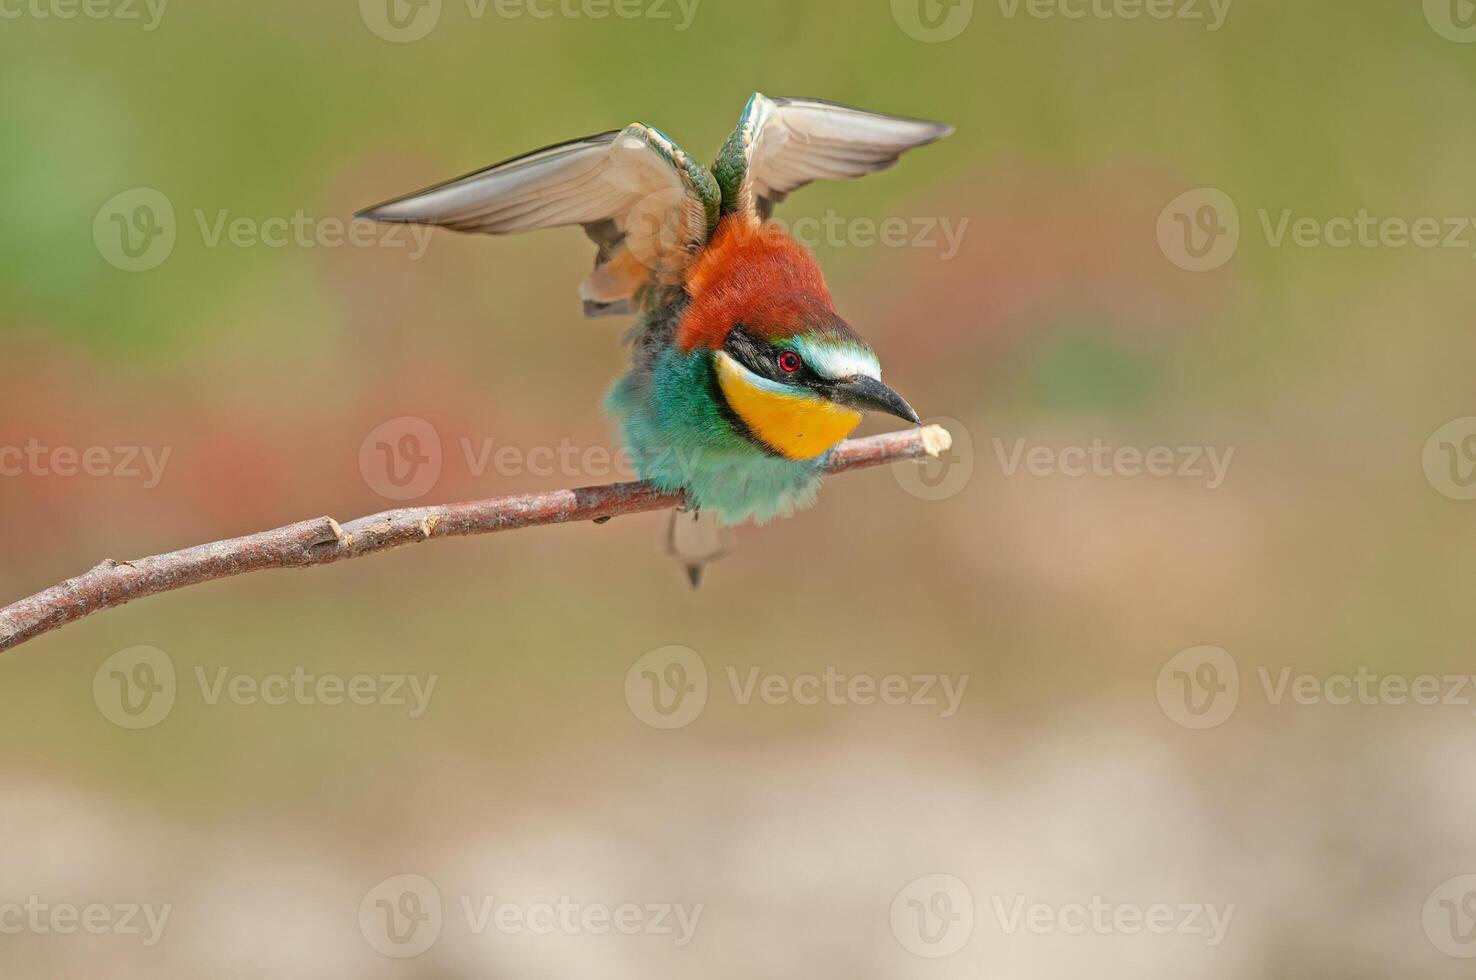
(870, 395)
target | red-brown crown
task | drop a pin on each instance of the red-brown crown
(758, 276)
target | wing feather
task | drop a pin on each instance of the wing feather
(638, 196)
(783, 144)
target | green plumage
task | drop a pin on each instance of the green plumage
(682, 440)
(653, 212)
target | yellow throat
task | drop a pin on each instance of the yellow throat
(797, 423)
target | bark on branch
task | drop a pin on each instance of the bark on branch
(323, 540)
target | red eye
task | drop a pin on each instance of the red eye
(789, 362)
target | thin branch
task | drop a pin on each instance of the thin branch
(323, 540)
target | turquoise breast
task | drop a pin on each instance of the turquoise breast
(681, 438)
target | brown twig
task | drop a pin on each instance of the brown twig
(323, 540)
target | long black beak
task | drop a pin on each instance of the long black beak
(870, 395)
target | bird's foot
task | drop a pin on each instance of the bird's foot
(696, 540)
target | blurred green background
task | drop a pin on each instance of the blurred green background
(1064, 317)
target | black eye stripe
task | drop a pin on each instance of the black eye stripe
(763, 359)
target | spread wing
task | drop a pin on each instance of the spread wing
(643, 201)
(781, 145)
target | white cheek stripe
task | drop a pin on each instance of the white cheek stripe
(835, 362)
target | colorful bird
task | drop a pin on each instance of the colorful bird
(743, 376)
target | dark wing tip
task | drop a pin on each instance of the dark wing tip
(376, 213)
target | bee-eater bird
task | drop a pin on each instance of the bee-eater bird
(743, 376)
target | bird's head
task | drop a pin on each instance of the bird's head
(787, 369)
